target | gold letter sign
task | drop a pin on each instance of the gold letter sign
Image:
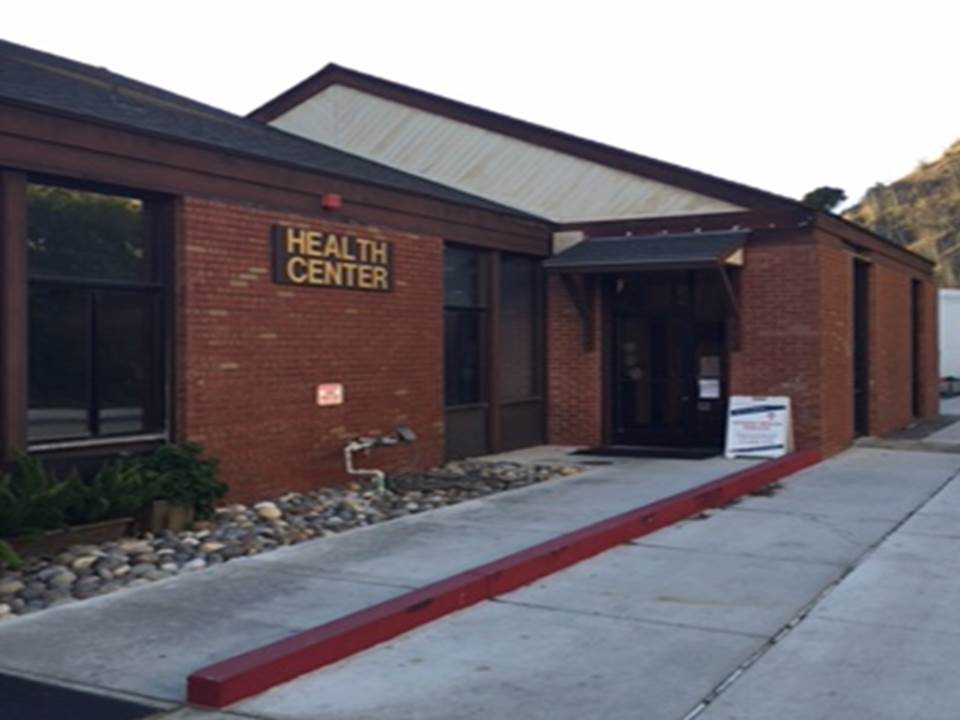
(326, 259)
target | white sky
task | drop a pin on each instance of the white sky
(783, 96)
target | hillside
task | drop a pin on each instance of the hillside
(921, 211)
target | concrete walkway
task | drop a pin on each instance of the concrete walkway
(951, 433)
(692, 614)
(884, 645)
(143, 643)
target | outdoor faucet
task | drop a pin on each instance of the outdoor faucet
(401, 435)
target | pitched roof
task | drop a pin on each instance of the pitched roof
(641, 165)
(41, 80)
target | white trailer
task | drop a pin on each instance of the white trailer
(949, 333)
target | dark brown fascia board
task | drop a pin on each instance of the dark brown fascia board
(679, 176)
(845, 231)
(859, 237)
(612, 268)
(159, 155)
(747, 220)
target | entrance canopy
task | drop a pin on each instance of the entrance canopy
(631, 253)
(580, 265)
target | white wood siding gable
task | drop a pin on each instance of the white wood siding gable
(529, 177)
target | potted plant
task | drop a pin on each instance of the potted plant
(184, 486)
(42, 514)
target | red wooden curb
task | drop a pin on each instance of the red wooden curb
(257, 670)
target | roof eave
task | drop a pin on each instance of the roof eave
(514, 214)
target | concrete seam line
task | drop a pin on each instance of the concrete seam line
(808, 608)
(257, 670)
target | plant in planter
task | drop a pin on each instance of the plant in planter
(31, 500)
(184, 485)
(119, 489)
(40, 513)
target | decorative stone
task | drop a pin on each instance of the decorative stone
(268, 511)
(110, 562)
(87, 586)
(141, 569)
(236, 531)
(134, 547)
(63, 579)
(83, 563)
(11, 586)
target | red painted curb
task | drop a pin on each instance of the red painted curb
(253, 672)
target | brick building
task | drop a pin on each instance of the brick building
(174, 272)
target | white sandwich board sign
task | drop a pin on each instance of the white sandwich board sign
(759, 427)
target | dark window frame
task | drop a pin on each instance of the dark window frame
(538, 336)
(158, 227)
(488, 307)
(479, 312)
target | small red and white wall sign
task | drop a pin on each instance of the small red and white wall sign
(330, 394)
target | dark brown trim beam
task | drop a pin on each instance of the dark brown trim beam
(860, 238)
(750, 220)
(494, 360)
(13, 312)
(53, 144)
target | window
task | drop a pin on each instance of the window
(465, 322)
(519, 328)
(96, 307)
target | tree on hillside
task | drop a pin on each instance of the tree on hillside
(824, 198)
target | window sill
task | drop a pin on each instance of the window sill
(96, 442)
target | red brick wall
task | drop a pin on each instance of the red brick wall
(574, 374)
(779, 352)
(836, 360)
(890, 350)
(251, 351)
(795, 339)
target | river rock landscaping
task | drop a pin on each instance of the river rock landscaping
(85, 571)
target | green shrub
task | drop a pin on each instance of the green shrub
(119, 489)
(9, 557)
(180, 474)
(32, 500)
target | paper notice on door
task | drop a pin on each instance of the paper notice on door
(709, 389)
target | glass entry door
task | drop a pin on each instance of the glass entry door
(668, 360)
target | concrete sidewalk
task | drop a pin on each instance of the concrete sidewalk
(144, 643)
(655, 628)
(883, 645)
